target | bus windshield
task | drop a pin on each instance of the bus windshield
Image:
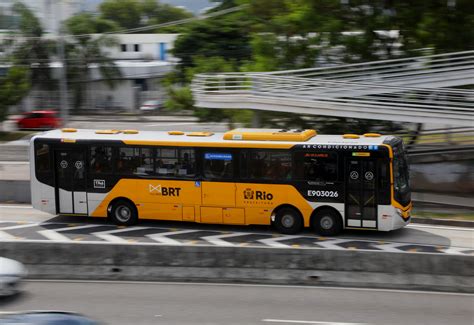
(401, 176)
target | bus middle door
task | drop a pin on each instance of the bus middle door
(71, 196)
(361, 192)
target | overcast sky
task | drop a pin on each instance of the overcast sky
(192, 5)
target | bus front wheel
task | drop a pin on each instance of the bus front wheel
(327, 222)
(124, 213)
(288, 221)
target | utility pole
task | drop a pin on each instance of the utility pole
(63, 97)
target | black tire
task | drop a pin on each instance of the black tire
(327, 222)
(288, 221)
(124, 213)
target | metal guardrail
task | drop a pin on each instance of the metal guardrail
(404, 90)
(308, 96)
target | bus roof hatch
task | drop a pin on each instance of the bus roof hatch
(270, 135)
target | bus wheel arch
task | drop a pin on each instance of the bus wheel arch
(287, 219)
(122, 211)
(326, 221)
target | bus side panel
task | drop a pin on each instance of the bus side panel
(259, 201)
(155, 199)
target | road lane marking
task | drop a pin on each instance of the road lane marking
(275, 242)
(54, 235)
(20, 226)
(217, 239)
(161, 237)
(332, 243)
(6, 236)
(293, 321)
(108, 234)
(16, 206)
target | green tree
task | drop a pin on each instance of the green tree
(35, 51)
(13, 87)
(86, 51)
(130, 14)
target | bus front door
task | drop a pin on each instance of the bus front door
(361, 199)
(71, 196)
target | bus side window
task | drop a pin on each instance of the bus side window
(316, 166)
(100, 159)
(269, 164)
(218, 165)
(43, 163)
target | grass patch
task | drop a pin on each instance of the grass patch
(14, 135)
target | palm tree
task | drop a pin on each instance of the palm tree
(85, 51)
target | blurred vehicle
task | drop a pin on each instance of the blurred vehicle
(11, 273)
(46, 318)
(39, 120)
(150, 105)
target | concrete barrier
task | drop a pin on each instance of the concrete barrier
(16, 191)
(253, 265)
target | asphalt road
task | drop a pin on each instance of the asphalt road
(454, 238)
(175, 303)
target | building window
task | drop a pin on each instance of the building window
(136, 47)
(123, 47)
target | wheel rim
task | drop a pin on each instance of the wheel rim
(326, 222)
(123, 213)
(288, 221)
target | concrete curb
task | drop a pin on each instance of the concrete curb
(444, 222)
(440, 272)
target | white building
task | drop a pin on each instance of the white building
(143, 60)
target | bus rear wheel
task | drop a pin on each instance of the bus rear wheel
(327, 222)
(124, 213)
(288, 221)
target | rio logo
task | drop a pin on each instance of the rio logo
(259, 195)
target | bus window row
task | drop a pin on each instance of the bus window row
(255, 164)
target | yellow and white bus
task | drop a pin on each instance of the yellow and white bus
(288, 178)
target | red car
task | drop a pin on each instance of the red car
(39, 120)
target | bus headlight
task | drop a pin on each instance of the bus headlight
(399, 212)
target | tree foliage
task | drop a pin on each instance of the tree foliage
(129, 14)
(13, 87)
(86, 51)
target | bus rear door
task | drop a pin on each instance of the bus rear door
(70, 177)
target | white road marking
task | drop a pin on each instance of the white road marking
(54, 235)
(5, 236)
(16, 206)
(390, 247)
(455, 250)
(217, 239)
(20, 226)
(107, 235)
(161, 237)
(274, 242)
(292, 321)
(332, 243)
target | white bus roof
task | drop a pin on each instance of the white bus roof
(268, 137)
